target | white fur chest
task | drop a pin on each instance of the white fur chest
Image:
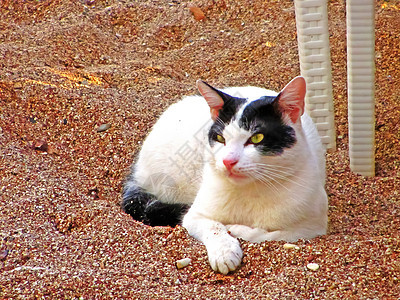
(254, 205)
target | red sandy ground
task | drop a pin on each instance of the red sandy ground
(69, 66)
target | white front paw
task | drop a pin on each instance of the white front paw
(254, 235)
(224, 254)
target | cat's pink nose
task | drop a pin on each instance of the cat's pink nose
(230, 163)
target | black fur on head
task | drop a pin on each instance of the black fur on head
(263, 116)
(225, 115)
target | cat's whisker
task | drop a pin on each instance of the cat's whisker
(287, 173)
(274, 194)
(282, 174)
(272, 166)
(278, 173)
(272, 173)
(266, 178)
(272, 184)
(285, 178)
(269, 183)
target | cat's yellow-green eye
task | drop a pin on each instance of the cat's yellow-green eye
(220, 139)
(257, 138)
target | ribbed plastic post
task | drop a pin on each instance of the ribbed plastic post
(315, 65)
(361, 80)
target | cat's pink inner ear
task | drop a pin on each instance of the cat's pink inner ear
(214, 101)
(291, 98)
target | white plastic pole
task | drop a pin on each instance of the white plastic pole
(315, 65)
(361, 80)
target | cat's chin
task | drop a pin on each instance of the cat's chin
(238, 178)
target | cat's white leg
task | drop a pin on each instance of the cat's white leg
(258, 235)
(224, 251)
(254, 235)
(281, 235)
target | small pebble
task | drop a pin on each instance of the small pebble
(18, 85)
(40, 145)
(103, 127)
(183, 263)
(313, 266)
(3, 254)
(197, 13)
(291, 246)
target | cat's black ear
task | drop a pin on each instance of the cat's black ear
(291, 99)
(213, 97)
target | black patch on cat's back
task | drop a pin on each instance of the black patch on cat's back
(262, 116)
(145, 207)
(225, 115)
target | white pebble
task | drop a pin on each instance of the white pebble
(291, 246)
(313, 266)
(103, 127)
(183, 263)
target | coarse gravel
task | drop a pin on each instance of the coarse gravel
(81, 84)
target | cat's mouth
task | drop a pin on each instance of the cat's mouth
(235, 176)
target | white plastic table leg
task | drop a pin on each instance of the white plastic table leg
(361, 80)
(315, 65)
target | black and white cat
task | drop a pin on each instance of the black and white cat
(242, 162)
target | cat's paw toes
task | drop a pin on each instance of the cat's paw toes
(225, 256)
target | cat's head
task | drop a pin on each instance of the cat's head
(253, 133)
